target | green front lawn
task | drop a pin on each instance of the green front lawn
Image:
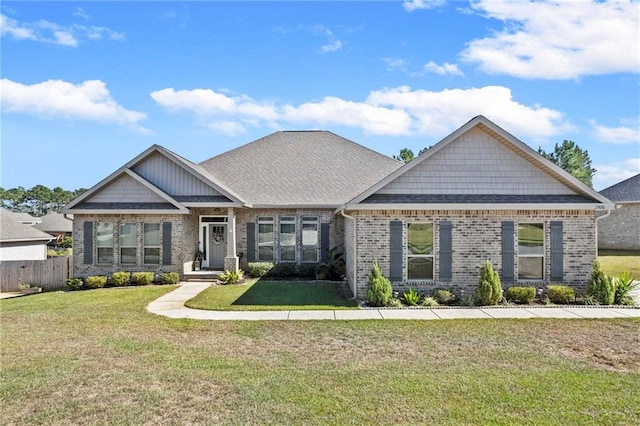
(272, 295)
(615, 262)
(97, 357)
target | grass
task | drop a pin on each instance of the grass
(272, 295)
(97, 357)
(615, 262)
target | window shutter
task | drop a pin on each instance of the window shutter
(88, 243)
(445, 253)
(395, 244)
(557, 265)
(324, 242)
(251, 242)
(166, 243)
(508, 252)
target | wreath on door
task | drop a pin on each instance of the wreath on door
(218, 237)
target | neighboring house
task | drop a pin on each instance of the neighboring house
(19, 241)
(57, 225)
(480, 194)
(21, 217)
(621, 229)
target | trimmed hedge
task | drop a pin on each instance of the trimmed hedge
(561, 294)
(121, 278)
(524, 295)
(170, 278)
(258, 269)
(95, 281)
(142, 278)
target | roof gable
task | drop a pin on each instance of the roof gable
(480, 163)
(300, 168)
(627, 191)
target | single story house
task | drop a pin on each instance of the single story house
(479, 194)
(621, 229)
(19, 241)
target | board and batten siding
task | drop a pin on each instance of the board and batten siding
(172, 178)
(476, 163)
(126, 189)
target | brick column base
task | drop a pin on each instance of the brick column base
(231, 264)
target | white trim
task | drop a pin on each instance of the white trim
(127, 211)
(408, 254)
(213, 205)
(296, 206)
(535, 256)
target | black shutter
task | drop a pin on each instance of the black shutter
(445, 250)
(508, 251)
(324, 241)
(557, 265)
(251, 242)
(166, 243)
(88, 243)
(395, 245)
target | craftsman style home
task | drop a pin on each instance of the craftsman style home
(480, 194)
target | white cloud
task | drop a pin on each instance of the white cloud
(90, 101)
(411, 5)
(389, 111)
(558, 40)
(437, 113)
(443, 69)
(49, 32)
(332, 44)
(394, 64)
(625, 134)
(611, 173)
(81, 13)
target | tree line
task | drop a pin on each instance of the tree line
(37, 201)
(568, 155)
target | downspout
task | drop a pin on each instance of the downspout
(355, 250)
(607, 213)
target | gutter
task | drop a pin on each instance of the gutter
(606, 214)
(355, 251)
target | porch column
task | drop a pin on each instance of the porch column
(231, 260)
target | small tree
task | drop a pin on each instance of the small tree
(379, 292)
(601, 288)
(489, 291)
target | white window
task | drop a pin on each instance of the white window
(128, 244)
(420, 251)
(265, 239)
(530, 251)
(151, 244)
(288, 239)
(310, 240)
(104, 243)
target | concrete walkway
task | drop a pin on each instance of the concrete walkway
(172, 305)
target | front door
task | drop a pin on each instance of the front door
(217, 246)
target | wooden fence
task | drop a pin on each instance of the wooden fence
(49, 274)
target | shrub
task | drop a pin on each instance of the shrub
(520, 294)
(444, 297)
(306, 270)
(170, 278)
(142, 278)
(489, 290)
(258, 269)
(560, 294)
(231, 277)
(429, 301)
(624, 285)
(379, 292)
(395, 303)
(467, 300)
(95, 281)
(411, 297)
(282, 270)
(121, 278)
(74, 283)
(601, 287)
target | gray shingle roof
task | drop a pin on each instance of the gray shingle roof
(474, 199)
(12, 230)
(54, 222)
(316, 168)
(626, 191)
(21, 217)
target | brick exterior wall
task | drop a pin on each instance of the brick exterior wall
(186, 236)
(621, 229)
(476, 238)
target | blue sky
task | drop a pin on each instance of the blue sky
(86, 86)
